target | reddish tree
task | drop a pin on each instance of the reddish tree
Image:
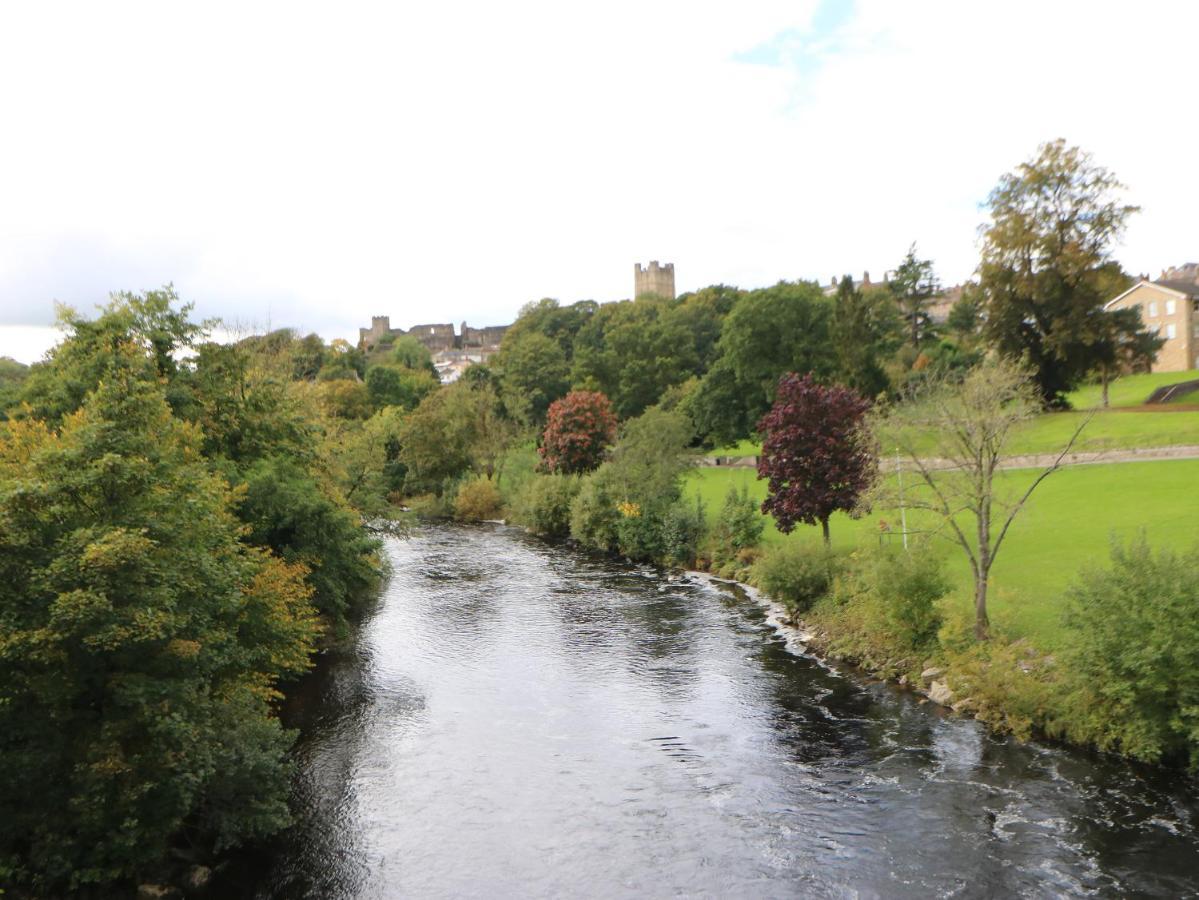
(579, 428)
(815, 451)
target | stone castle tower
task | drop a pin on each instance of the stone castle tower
(654, 279)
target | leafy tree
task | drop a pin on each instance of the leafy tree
(308, 356)
(343, 361)
(579, 428)
(816, 452)
(147, 321)
(1123, 344)
(970, 421)
(12, 379)
(965, 316)
(303, 522)
(549, 318)
(914, 284)
(366, 463)
(534, 372)
(398, 386)
(246, 406)
(345, 399)
(864, 328)
(458, 429)
(630, 502)
(633, 351)
(1053, 222)
(409, 353)
(785, 328)
(142, 642)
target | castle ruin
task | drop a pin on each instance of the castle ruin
(653, 279)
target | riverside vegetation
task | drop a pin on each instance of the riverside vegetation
(187, 523)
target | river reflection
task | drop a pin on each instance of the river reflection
(520, 720)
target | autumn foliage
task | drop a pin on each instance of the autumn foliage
(579, 428)
(816, 452)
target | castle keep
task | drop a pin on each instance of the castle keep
(653, 279)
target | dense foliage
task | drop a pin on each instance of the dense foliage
(1136, 653)
(175, 541)
(579, 429)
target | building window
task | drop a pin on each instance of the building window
(1169, 307)
(1153, 307)
(1171, 332)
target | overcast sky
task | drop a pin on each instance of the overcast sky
(286, 164)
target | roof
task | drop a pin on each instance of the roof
(1186, 289)
(1190, 288)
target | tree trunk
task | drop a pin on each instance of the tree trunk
(982, 625)
(1105, 389)
(824, 528)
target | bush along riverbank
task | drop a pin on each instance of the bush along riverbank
(1127, 682)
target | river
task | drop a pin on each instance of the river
(521, 720)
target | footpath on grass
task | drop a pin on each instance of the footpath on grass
(1018, 461)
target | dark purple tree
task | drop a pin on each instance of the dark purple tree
(816, 451)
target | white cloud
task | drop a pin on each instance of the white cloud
(315, 165)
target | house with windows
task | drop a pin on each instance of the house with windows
(1170, 307)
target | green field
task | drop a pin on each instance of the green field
(1067, 526)
(1131, 390)
(1126, 425)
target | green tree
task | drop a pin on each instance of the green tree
(965, 316)
(409, 353)
(864, 329)
(12, 380)
(914, 285)
(149, 321)
(556, 322)
(1052, 225)
(458, 429)
(534, 372)
(785, 328)
(140, 645)
(398, 386)
(633, 351)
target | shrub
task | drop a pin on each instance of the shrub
(795, 574)
(1135, 654)
(579, 428)
(543, 504)
(593, 515)
(738, 527)
(682, 530)
(907, 586)
(478, 499)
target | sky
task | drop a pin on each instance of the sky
(286, 164)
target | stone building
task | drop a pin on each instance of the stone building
(452, 353)
(1169, 306)
(653, 279)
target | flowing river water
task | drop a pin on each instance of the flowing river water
(522, 720)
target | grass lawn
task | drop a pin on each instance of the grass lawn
(1131, 390)
(1067, 526)
(1125, 425)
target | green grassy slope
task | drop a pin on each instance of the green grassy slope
(1068, 525)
